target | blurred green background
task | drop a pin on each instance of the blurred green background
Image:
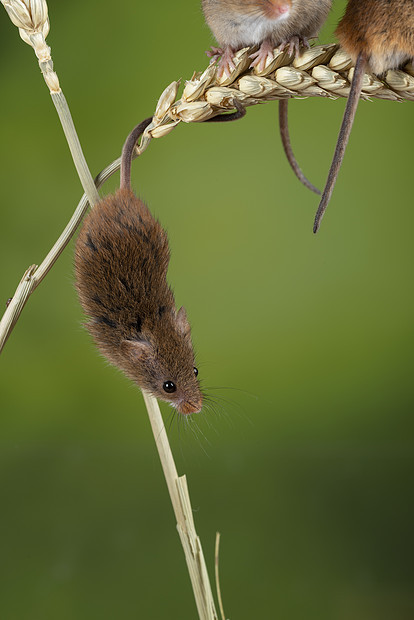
(306, 468)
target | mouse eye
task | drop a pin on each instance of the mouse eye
(195, 371)
(169, 387)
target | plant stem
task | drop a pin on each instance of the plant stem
(34, 275)
(85, 176)
(180, 499)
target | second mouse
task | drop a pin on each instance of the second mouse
(379, 36)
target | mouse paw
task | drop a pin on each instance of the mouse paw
(214, 53)
(264, 52)
(225, 64)
(294, 43)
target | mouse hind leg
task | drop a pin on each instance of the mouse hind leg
(284, 134)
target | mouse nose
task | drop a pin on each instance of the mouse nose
(187, 407)
(279, 7)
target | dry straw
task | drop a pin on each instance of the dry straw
(322, 71)
(31, 18)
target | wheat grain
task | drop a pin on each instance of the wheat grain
(321, 71)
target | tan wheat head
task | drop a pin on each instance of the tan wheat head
(321, 71)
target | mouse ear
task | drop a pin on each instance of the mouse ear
(136, 348)
(182, 322)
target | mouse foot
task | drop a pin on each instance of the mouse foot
(226, 64)
(294, 44)
(214, 53)
(264, 52)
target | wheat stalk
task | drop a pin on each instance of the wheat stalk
(180, 499)
(31, 18)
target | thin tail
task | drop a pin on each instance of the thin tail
(343, 138)
(284, 134)
(130, 142)
(233, 116)
(127, 152)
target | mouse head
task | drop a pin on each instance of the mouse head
(162, 362)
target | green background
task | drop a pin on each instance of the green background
(306, 467)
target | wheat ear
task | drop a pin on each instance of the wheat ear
(321, 71)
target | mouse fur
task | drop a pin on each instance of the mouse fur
(121, 262)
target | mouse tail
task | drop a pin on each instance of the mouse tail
(128, 151)
(284, 134)
(347, 122)
(233, 116)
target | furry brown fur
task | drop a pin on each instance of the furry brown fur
(382, 30)
(379, 35)
(121, 263)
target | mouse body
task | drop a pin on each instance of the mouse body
(265, 23)
(121, 263)
(268, 24)
(379, 36)
(381, 30)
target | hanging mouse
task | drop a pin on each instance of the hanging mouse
(121, 263)
(379, 36)
(267, 24)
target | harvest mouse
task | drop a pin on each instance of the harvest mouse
(121, 263)
(378, 35)
(267, 24)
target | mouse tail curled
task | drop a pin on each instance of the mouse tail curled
(128, 150)
(233, 116)
(344, 133)
(287, 147)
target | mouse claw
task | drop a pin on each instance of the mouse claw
(226, 64)
(263, 53)
(294, 43)
(214, 53)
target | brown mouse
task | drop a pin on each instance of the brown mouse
(379, 36)
(267, 24)
(121, 262)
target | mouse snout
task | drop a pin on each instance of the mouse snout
(278, 8)
(187, 407)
